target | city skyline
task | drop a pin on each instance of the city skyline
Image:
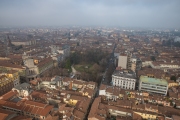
(123, 13)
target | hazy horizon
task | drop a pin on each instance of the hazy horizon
(124, 13)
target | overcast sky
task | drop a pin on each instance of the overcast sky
(125, 13)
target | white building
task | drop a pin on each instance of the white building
(124, 79)
(153, 85)
(177, 39)
(111, 92)
(58, 57)
(23, 89)
(165, 65)
(25, 43)
(53, 84)
(109, 44)
(136, 64)
(146, 62)
(59, 49)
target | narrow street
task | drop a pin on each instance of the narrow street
(104, 79)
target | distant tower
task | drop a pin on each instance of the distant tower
(9, 42)
(38, 87)
(8, 45)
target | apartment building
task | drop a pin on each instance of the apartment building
(114, 102)
(153, 85)
(8, 80)
(135, 64)
(165, 65)
(124, 79)
(122, 61)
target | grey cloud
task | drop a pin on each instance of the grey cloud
(138, 13)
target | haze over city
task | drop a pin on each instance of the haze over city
(123, 13)
(89, 60)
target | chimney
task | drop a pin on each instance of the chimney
(70, 85)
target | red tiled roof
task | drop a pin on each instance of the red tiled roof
(8, 95)
(45, 61)
(29, 106)
(8, 64)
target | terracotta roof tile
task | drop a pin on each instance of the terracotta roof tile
(8, 95)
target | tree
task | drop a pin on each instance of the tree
(103, 63)
(149, 66)
(95, 57)
(97, 42)
(110, 72)
(65, 72)
(153, 58)
(68, 64)
(61, 64)
(75, 58)
(173, 78)
(18, 47)
(30, 36)
(78, 44)
(96, 68)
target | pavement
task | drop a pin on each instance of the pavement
(73, 70)
(73, 73)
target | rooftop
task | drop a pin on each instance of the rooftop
(124, 73)
(153, 80)
(23, 86)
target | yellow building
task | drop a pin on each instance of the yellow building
(121, 95)
(126, 39)
(8, 80)
(147, 116)
(171, 83)
(72, 102)
(150, 75)
(55, 63)
(7, 66)
(36, 61)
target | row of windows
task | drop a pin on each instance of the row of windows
(124, 83)
(124, 79)
(153, 90)
(153, 84)
(154, 87)
(125, 87)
